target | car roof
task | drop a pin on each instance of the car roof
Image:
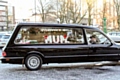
(54, 25)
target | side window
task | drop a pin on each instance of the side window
(95, 37)
(75, 36)
(29, 35)
(49, 35)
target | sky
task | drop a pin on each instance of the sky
(22, 7)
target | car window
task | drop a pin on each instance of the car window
(96, 37)
(48, 35)
(5, 36)
(1, 35)
(114, 33)
(118, 34)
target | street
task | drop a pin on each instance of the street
(68, 71)
(17, 72)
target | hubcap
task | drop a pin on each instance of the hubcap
(33, 62)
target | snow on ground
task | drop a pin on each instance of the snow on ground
(66, 71)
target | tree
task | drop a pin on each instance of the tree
(106, 11)
(117, 7)
(90, 5)
(75, 11)
(69, 10)
(44, 8)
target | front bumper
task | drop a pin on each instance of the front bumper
(12, 60)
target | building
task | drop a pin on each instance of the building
(7, 18)
(3, 15)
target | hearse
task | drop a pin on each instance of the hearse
(34, 44)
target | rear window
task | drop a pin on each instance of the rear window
(48, 35)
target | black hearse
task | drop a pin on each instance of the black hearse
(34, 44)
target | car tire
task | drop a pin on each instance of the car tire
(33, 62)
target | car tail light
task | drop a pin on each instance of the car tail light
(4, 54)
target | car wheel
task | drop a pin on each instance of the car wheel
(33, 62)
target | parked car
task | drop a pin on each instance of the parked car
(2, 33)
(42, 43)
(115, 36)
(113, 33)
(4, 39)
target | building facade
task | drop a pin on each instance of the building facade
(7, 16)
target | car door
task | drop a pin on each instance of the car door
(104, 50)
(100, 52)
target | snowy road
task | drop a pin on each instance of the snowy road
(69, 71)
(59, 72)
